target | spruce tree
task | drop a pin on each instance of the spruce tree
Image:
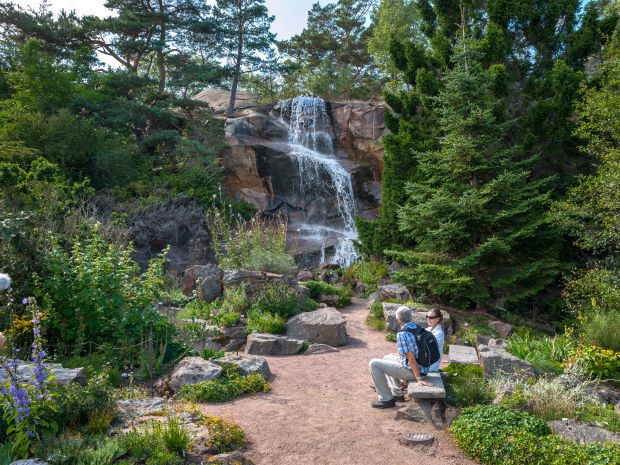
(244, 33)
(475, 214)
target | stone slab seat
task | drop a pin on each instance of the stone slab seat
(463, 355)
(437, 391)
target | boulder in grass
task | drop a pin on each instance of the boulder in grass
(322, 326)
(393, 292)
(29, 462)
(581, 432)
(389, 315)
(247, 365)
(190, 370)
(25, 373)
(206, 280)
(503, 329)
(496, 360)
(272, 344)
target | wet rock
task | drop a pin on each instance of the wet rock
(190, 370)
(247, 365)
(319, 349)
(271, 344)
(581, 432)
(322, 326)
(393, 292)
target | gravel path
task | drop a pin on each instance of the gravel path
(318, 410)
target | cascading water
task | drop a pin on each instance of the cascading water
(321, 176)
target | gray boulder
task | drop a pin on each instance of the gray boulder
(581, 432)
(389, 315)
(496, 360)
(305, 275)
(190, 370)
(322, 326)
(503, 329)
(463, 355)
(271, 344)
(254, 280)
(231, 338)
(25, 373)
(29, 462)
(320, 349)
(247, 365)
(393, 292)
(130, 409)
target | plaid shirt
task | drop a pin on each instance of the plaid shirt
(405, 342)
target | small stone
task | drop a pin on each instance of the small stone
(320, 349)
(417, 439)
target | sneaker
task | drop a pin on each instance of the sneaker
(384, 404)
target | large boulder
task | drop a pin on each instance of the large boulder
(190, 370)
(581, 432)
(389, 315)
(496, 360)
(247, 365)
(271, 344)
(322, 326)
(255, 280)
(64, 376)
(206, 280)
(393, 292)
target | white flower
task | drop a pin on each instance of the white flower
(5, 281)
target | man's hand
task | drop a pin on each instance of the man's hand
(424, 383)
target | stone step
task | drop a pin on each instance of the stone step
(463, 355)
(437, 391)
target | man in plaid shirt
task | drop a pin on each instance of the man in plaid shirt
(388, 372)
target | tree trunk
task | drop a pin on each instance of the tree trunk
(161, 67)
(233, 89)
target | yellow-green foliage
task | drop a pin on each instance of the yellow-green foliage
(223, 436)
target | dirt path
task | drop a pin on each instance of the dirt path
(318, 410)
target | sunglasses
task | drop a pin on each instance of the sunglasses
(431, 317)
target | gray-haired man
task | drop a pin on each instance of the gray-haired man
(387, 372)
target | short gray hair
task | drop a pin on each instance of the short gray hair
(403, 314)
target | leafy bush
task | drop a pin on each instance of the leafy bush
(496, 435)
(210, 354)
(466, 385)
(81, 405)
(278, 299)
(369, 273)
(546, 353)
(223, 436)
(375, 318)
(265, 322)
(258, 244)
(603, 327)
(174, 436)
(230, 386)
(97, 294)
(595, 361)
(390, 337)
(319, 287)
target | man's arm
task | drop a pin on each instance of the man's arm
(416, 369)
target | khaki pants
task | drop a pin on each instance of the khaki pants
(386, 375)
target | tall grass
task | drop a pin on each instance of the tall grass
(546, 353)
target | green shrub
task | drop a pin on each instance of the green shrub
(210, 354)
(175, 437)
(466, 385)
(603, 327)
(230, 386)
(390, 337)
(496, 435)
(6, 456)
(81, 405)
(595, 361)
(319, 287)
(236, 298)
(278, 299)
(99, 421)
(545, 353)
(369, 273)
(148, 446)
(264, 260)
(375, 318)
(223, 436)
(265, 322)
(603, 414)
(97, 294)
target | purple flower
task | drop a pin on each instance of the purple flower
(24, 301)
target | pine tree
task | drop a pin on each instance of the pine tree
(475, 214)
(244, 33)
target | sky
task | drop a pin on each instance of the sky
(290, 15)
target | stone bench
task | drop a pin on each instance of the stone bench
(437, 391)
(463, 355)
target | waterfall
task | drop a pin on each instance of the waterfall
(321, 176)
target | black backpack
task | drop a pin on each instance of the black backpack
(428, 349)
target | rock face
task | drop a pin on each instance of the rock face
(25, 372)
(271, 344)
(247, 365)
(218, 99)
(393, 292)
(582, 433)
(205, 279)
(322, 326)
(188, 371)
(495, 359)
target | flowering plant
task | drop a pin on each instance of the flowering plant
(596, 361)
(28, 401)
